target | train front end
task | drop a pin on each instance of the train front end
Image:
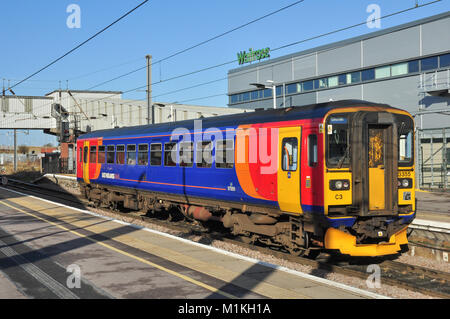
(369, 197)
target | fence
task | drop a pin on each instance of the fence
(53, 164)
(433, 170)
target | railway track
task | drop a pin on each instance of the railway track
(420, 279)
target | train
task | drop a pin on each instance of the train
(335, 177)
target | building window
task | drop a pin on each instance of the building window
(254, 95)
(224, 154)
(186, 154)
(279, 90)
(143, 154)
(110, 154)
(368, 75)
(312, 150)
(342, 78)
(354, 77)
(246, 96)
(444, 61)
(308, 85)
(382, 72)
(234, 98)
(170, 154)
(155, 154)
(204, 154)
(333, 81)
(413, 66)
(289, 153)
(292, 88)
(399, 69)
(120, 156)
(429, 63)
(267, 92)
(101, 154)
(93, 155)
(320, 83)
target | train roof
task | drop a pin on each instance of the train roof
(232, 120)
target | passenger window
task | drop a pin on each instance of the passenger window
(110, 154)
(155, 154)
(170, 154)
(204, 154)
(143, 154)
(289, 154)
(93, 155)
(131, 154)
(120, 156)
(101, 154)
(312, 150)
(85, 155)
(225, 154)
(186, 154)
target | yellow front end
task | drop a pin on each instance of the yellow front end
(346, 244)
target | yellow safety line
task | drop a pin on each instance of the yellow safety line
(195, 282)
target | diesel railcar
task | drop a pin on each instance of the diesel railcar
(336, 176)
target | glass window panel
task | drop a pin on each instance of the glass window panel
(320, 83)
(312, 150)
(399, 69)
(110, 154)
(429, 63)
(170, 154)
(93, 155)
(279, 90)
(246, 96)
(131, 154)
(101, 154)
(368, 75)
(292, 88)
(342, 79)
(143, 154)
(267, 92)
(254, 95)
(308, 85)
(354, 77)
(333, 81)
(413, 66)
(405, 148)
(383, 72)
(204, 154)
(155, 154)
(120, 154)
(225, 154)
(85, 155)
(186, 154)
(444, 60)
(234, 98)
(289, 154)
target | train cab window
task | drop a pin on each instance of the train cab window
(312, 150)
(225, 154)
(101, 154)
(405, 148)
(155, 154)
(186, 154)
(85, 154)
(120, 154)
(170, 154)
(131, 154)
(143, 154)
(204, 154)
(338, 147)
(110, 150)
(289, 154)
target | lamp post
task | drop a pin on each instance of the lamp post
(273, 86)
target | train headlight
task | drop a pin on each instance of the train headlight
(404, 183)
(339, 185)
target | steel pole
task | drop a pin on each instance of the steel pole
(150, 108)
(15, 150)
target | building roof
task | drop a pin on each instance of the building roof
(347, 41)
(84, 91)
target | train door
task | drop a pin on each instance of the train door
(86, 162)
(379, 166)
(288, 178)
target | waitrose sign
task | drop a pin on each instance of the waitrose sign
(250, 56)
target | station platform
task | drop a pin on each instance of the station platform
(41, 242)
(433, 206)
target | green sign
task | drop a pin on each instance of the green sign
(244, 57)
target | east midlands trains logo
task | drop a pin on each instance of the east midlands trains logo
(244, 57)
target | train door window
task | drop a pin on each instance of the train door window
(289, 154)
(312, 150)
(131, 154)
(225, 154)
(85, 154)
(186, 154)
(110, 150)
(170, 154)
(80, 152)
(143, 154)
(204, 154)
(101, 154)
(155, 154)
(120, 154)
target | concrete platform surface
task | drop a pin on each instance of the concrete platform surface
(48, 249)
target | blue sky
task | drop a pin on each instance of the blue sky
(35, 33)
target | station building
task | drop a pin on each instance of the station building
(406, 66)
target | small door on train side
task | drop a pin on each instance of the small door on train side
(289, 169)
(86, 162)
